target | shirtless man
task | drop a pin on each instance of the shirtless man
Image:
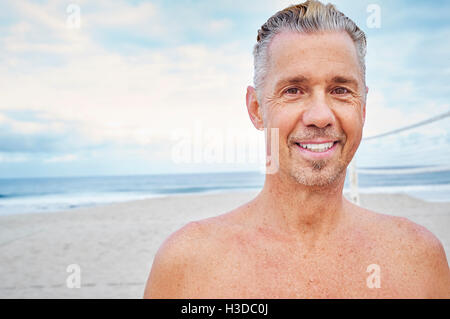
(300, 238)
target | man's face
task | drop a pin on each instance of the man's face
(314, 93)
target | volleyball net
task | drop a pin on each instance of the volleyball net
(419, 148)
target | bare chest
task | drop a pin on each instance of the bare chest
(286, 273)
(291, 277)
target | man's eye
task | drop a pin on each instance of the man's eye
(340, 90)
(292, 91)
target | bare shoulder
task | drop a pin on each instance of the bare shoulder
(185, 258)
(417, 252)
(400, 231)
(416, 240)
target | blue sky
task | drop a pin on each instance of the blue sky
(105, 98)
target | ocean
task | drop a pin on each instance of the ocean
(36, 195)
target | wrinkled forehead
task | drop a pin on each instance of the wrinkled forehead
(317, 56)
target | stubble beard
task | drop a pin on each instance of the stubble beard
(318, 173)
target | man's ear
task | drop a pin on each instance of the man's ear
(254, 109)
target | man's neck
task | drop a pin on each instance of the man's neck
(308, 213)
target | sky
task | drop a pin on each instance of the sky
(150, 87)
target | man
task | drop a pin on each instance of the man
(300, 238)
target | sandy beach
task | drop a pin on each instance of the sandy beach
(114, 245)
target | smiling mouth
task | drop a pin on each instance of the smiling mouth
(317, 147)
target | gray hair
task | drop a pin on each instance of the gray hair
(310, 16)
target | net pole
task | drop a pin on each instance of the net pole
(354, 193)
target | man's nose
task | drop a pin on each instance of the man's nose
(318, 113)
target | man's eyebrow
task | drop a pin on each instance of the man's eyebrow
(344, 80)
(292, 80)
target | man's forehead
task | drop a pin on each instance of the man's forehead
(294, 40)
(326, 55)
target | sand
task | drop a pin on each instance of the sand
(114, 245)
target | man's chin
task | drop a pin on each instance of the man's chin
(318, 175)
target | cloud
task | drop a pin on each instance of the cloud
(63, 158)
(14, 158)
(117, 14)
(116, 97)
(36, 133)
(219, 26)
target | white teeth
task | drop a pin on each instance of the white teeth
(317, 147)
